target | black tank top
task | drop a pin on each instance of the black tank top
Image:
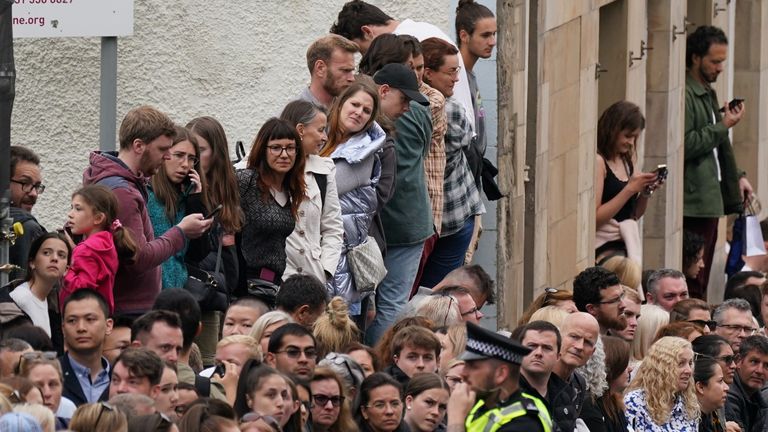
(612, 186)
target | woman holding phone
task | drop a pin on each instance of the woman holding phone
(176, 191)
(621, 191)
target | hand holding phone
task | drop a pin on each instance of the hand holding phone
(733, 104)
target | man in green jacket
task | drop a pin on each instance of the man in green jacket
(713, 185)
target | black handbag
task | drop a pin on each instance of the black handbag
(263, 290)
(208, 289)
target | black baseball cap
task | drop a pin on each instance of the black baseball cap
(400, 77)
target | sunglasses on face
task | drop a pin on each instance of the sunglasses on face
(711, 324)
(322, 400)
(295, 353)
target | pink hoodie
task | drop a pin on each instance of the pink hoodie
(94, 265)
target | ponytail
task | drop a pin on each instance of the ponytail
(124, 243)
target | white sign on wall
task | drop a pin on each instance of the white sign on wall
(72, 18)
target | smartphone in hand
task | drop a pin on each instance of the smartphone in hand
(733, 104)
(214, 212)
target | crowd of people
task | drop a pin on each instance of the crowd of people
(324, 283)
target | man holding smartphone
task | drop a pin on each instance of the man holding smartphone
(714, 186)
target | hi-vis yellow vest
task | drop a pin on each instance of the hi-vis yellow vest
(494, 419)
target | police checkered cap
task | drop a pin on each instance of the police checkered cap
(485, 344)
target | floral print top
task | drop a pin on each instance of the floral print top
(639, 418)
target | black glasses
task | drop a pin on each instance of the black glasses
(27, 187)
(474, 310)
(277, 150)
(740, 328)
(727, 359)
(711, 324)
(613, 300)
(322, 400)
(104, 406)
(269, 420)
(295, 353)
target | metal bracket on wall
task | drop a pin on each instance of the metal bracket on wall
(716, 8)
(643, 49)
(599, 70)
(682, 32)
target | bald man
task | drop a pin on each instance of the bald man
(579, 333)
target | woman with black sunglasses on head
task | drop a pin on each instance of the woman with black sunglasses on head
(98, 417)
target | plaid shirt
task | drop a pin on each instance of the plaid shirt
(434, 163)
(461, 200)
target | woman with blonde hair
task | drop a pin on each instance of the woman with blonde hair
(662, 395)
(443, 310)
(266, 324)
(453, 340)
(652, 318)
(560, 298)
(334, 330)
(41, 413)
(98, 417)
(331, 407)
(628, 271)
(551, 314)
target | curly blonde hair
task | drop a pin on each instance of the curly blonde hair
(658, 377)
(334, 329)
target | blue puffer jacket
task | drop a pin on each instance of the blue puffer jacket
(358, 170)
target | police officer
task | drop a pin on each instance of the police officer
(491, 372)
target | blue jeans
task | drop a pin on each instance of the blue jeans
(448, 254)
(402, 263)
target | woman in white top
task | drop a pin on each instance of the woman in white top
(314, 247)
(27, 300)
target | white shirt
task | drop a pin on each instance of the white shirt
(34, 307)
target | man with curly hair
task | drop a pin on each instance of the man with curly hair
(598, 292)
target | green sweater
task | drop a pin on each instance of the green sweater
(704, 195)
(407, 217)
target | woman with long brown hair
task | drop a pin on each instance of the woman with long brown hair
(621, 191)
(176, 191)
(271, 189)
(354, 143)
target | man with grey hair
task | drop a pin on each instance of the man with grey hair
(133, 404)
(665, 288)
(734, 321)
(331, 64)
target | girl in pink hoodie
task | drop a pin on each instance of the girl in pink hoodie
(105, 243)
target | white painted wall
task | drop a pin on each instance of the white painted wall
(239, 61)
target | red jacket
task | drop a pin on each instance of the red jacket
(94, 264)
(136, 284)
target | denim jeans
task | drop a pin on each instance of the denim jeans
(448, 254)
(402, 263)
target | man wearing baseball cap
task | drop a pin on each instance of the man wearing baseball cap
(492, 372)
(402, 104)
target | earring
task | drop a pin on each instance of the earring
(408, 407)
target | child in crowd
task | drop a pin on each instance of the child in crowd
(105, 243)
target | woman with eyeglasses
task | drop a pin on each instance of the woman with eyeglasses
(262, 390)
(453, 373)
(176, 191)
(271, 189)
(661, 396)
(426, 402)
(98, 417)
(380, 405)
(711, 391)
(24, 302)
(330, 406)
